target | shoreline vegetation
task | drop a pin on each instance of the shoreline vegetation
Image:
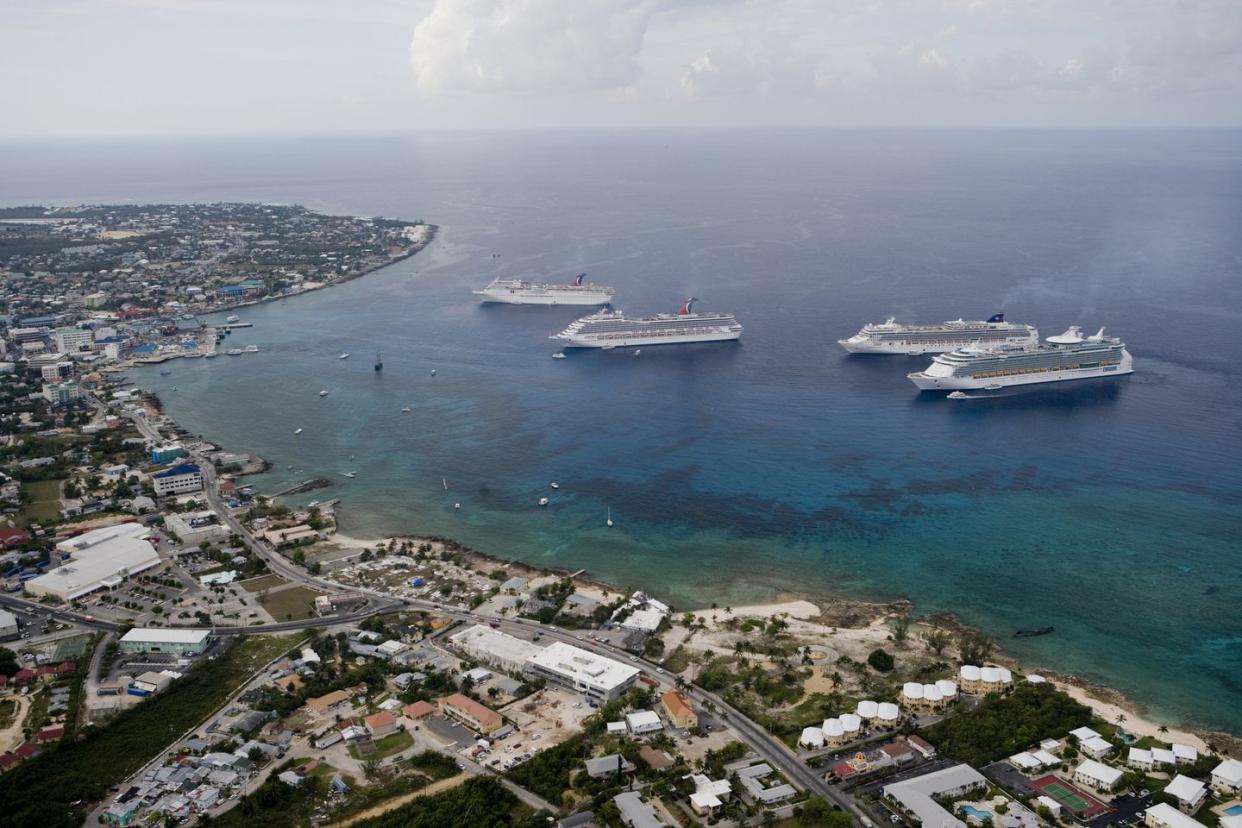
(839, 616)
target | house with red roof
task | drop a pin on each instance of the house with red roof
(51, 734)
(12, 536)
(24, 676)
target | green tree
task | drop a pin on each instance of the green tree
(881, 660)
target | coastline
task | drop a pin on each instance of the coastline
(843, 613)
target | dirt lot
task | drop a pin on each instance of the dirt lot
(292, 604)
(544, 719)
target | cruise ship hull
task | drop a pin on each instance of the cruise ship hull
(867, 345)
(929, 382)
(638, 341)
(585, 298)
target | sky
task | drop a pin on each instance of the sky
(201, 67)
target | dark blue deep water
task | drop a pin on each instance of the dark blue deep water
(780, 465)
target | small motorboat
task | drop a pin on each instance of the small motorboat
(554, 485)
(433, 372)
(558, 355)
(296, 432)
(164, 372)
(456, 505)
(235, 351)
(543, 501)
(233, 318)
(993, 387)
(323, 393)
(608, 348)
(343, 356)
(1037, 631)
(210, 355)
(251, 349)
(351, 475)
(406, 410)
(290, 466)
(958, 395)
(608, 522)
(637, 352)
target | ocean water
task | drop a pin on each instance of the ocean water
(781, 464)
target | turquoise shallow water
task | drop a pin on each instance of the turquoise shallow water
(742, 472)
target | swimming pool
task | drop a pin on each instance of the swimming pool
(1233, 810)
(971, 810)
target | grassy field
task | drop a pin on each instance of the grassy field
(55, 788)
(291, 604)
(43, 504)
(261, 583)
(390, 745)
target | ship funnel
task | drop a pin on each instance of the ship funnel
(1099, 335)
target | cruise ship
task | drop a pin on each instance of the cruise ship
(612, 329)
(890, 337)
(1067, 356)
(521, 292)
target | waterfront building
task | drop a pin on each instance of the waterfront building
(1097, 747)
(167, 452)
(193, 528)
(598, 678)
(181, 479)
(161, 640)
(968, 678)
(834, 733)
(60, 393)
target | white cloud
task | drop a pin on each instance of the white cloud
(544, 46)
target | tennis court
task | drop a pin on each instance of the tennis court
(1075, 800)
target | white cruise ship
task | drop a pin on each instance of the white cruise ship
(612, 329)
(890, 337)
(521, 292)
(1067, 356)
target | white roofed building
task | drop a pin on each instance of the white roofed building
(1163, 757)
(1188, 792)
(1185, 754)
(1164, 815)
(99, 559)
(596, 677)
(851, 723)
(867, 710)
(494, 648)
(162, 640)
(834, 733)
(969, 679)
(1097, 747)
(1096, 775)
(812, 738)
(1140, 758)
(916, 796)
(709, 794)
(888, 714)
(1227, 777)
(643, 721)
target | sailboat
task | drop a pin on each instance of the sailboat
(379, 361)
(609, 521)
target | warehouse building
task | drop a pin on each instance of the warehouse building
(158, 640)
(100, 559)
